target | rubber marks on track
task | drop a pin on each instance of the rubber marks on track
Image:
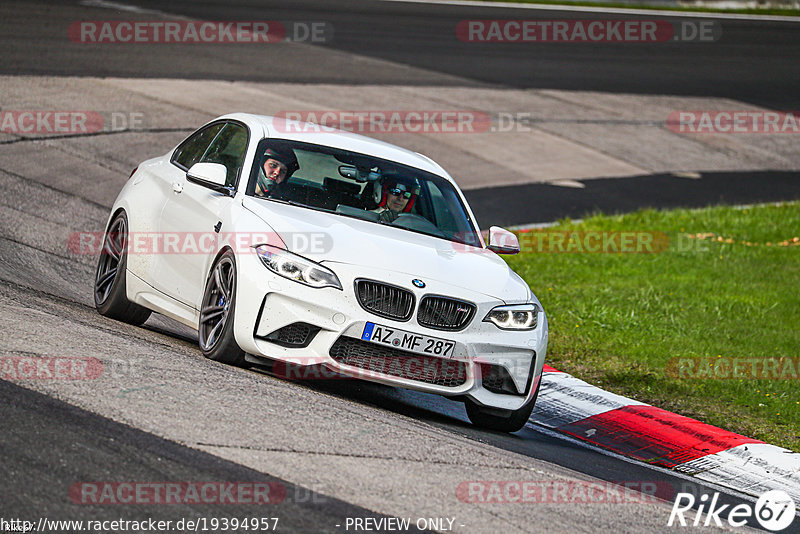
(643, 432)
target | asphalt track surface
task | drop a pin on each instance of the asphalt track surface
(47, 443)
(754, 61)
(67, 433)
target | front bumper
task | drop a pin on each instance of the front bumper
(267, 303)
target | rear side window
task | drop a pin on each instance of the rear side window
(193, 149)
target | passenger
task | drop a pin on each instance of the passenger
(395, 195)
(274, 173)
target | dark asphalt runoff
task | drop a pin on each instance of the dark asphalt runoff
(50, 448)
(540, 203)
(751, 61)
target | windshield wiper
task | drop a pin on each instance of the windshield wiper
(284, 201)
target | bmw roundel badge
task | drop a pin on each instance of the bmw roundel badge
(418, 283)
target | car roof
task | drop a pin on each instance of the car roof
(280, 128)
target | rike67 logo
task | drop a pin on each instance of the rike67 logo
(774, 511)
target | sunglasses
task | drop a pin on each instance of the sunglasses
(396, 191)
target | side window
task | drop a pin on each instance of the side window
(449, 213)
(191, 150)
(439, 208)
(229, 149)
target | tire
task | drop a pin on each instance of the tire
(215, 330)
(110, 297)
(499, 419)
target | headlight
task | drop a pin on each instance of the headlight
(297, 268)
(515, 317)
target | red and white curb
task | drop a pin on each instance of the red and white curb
(658, 437)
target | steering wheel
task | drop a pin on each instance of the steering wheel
(412, 221)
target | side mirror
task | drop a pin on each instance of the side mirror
(501, 241)
(211, 175)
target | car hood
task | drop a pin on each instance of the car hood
(327, 237)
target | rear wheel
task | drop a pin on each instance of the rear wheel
(215, 331)
(110, 297)
(499, 419)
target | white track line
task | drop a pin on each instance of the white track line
(611, 10)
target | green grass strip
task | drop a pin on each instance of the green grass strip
(719, 291)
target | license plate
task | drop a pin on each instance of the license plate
(400, 339)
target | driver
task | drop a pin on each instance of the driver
(274, 172)
(395, 195)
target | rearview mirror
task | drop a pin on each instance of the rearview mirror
(358, 174)
(501, 241)
(348, 172)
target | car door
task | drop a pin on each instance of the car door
(191, 218)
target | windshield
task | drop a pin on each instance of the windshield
(360, 186)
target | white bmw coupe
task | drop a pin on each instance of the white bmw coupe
(309, 248)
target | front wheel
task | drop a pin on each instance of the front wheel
(215, 331)
(499, 419)
(110, 296)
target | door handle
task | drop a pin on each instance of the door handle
(176, 187)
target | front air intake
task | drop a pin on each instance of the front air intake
(377, 359)
(295, 335)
